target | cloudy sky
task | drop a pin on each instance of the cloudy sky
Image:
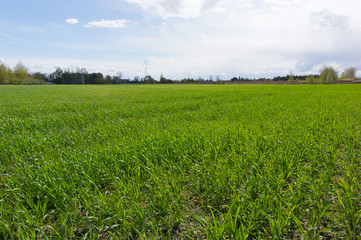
(182, 38)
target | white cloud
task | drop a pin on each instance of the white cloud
(329, 20)
(72, 21)
(199, 38)
(253, 36)
(118, 23)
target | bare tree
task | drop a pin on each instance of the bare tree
(119, 77)
(350, 73)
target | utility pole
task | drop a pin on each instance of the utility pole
(146, 62)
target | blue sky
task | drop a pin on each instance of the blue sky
(182, 38)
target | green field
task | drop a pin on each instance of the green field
(180, 162)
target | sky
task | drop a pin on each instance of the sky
(182, 38)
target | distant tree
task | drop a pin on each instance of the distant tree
(21, 73)
(57, 75)
(350, 73)
(100, 78)
(108, 79)
(279, 78)
(39, 76)
(96, 78)
(120, 75)
(67, 76)
(116, 80)
(343, 76)
(83, 75)
(310, 79)
(188, 80)
(6, 75)
(291, 78)
(136, 79)
(162, 79)
(328, 74)
(149, 79)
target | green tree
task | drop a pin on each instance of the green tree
(328, 74)
(57, 75)
(67, 76)
(162, 79)
(96, 78)
(149, 79)
(39, 76)
(6, 75)
(310, 79)
(108, 79)
(343, 76)
(291, 79)
(21, 73)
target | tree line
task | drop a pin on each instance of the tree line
(21, 75)
(82, 76)
(18, 75)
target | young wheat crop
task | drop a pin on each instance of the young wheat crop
(180, 162)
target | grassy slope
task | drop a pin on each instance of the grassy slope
(180, 161)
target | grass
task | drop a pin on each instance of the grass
(180, 162)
